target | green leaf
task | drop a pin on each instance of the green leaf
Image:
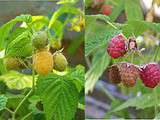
(97, 33)
(77, 76)
(138, 27)
(3, 102)
(38, 22)
(67, 1)
(62, 10)
(6, 28)
(117, 9)
(157, 117)
(141, 102)
(15, 48)
(59, 96)
(133, 10)
(101, 61)
(33, 102)
(15, 80)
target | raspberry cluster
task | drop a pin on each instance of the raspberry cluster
(128, 73)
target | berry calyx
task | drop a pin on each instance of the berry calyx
(43, 62)
(106, 9)
(113, 74)
(117, 46)
(150, 75)
(129, 74)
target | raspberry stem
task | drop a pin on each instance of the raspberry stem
(156, 100)
(156, 53)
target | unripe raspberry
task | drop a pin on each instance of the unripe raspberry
(60, 61)
(150, 75)
(129, 73)
(117, 46)
(113, 74)
(43, 62)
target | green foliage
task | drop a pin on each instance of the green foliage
(15, 80)
(60, 94)
(6, 28)
(33, 104)
(137, 27)
(141, 102)
(3, 102)
(15, 48)
(133, 10)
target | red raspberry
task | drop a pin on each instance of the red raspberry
(129, 73)
(106, 9)
(113, 74)
(150, 75)
(117, 46)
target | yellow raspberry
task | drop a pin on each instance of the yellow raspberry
(43, 62)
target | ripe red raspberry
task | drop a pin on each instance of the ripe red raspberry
(117, 46)
(113, 74)
(129, 73)
(106, 9)
(150, 75)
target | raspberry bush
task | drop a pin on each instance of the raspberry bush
(38, 79)
(122, 54)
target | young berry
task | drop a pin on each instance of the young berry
(117, 46)
(106, 9)
(60, 62)
(150, 75)
(113, 74)
(40, 39)
(129, 74)
(43, 62)
(13, 63)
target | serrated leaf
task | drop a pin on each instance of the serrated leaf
(6, 28)
(15, 48)
(97, 33)
(101, 61)
(3, 102)
(77, 76)
(133, 10)
(15, 80)
(59, 96)
(141, 102)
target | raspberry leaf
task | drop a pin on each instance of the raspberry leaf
(3, 102)
(141, 102)
(135, 14)
(16, 80)
(6, 28)
(60, 93)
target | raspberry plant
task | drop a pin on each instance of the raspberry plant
(115, 45)
(31, 86)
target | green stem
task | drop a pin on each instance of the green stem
(156, 53)
(19, 105)
(9, 110)
(112, 25)
(26, 116)
(156, 99)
